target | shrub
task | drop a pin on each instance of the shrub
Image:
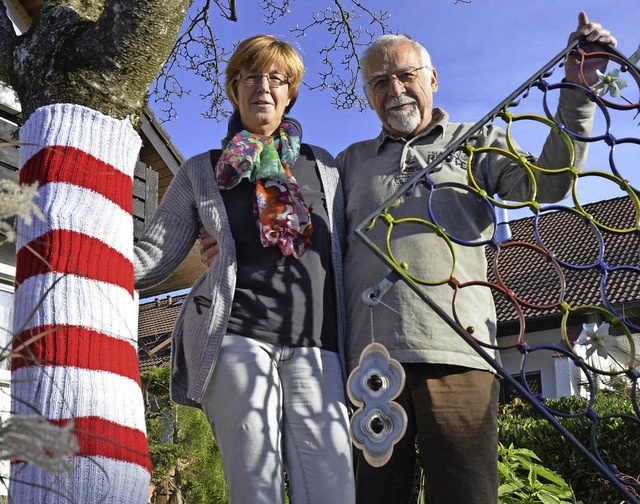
(617, 439)
(184, 454)
(522, 479)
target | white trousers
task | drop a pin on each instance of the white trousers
(274, 408)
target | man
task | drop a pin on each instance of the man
(451, 395)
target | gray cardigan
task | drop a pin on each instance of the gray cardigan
(191, 207)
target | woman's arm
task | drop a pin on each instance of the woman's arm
(171, 233)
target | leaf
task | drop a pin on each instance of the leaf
(549, 475)
(508, 488)
(548, 499)
(527, 453)
(532, 477)
(506, 471)
(522, 462)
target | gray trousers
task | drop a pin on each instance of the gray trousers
(274, 408)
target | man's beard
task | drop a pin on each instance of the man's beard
(403, 121)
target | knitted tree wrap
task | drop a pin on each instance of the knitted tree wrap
(75, 316)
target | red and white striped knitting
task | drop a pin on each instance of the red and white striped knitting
(75, 302)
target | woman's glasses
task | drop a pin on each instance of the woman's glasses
(275, 79)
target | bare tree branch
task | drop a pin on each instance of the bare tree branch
(232, 10)
(273, 11)
(198, 51)
(347, 41)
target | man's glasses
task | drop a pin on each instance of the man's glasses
(382, 82)
(275, 79)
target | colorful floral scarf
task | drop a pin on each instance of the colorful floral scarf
(282, 215)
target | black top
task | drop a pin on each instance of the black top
(280, 299)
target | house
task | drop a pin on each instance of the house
(597, 269)
(155, 324)
(523, 267)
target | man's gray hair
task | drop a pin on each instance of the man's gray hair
(384, 43)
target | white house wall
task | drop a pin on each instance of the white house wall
(557, 374)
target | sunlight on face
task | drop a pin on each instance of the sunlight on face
(261, 104)
(403, 107)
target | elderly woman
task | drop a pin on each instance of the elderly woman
(259, 343)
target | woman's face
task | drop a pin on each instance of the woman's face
(261, 101)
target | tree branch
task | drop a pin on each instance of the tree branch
(233, 11)
(136, 37)
(347, 40)
(198, 51)
(87, 10)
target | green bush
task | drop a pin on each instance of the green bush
(617, 439)
(522, 479)
(202, 475)
(183, 451)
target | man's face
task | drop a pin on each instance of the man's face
(403, 107)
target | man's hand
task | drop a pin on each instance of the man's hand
(209, 249)
(594, 34)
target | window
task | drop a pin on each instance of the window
(508, 393)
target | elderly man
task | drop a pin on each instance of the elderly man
(451, 395)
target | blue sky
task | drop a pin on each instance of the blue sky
(482, 52)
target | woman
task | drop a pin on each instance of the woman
(258, 344)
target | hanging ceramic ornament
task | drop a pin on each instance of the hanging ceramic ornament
(379, 422)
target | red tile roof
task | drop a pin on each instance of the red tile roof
(155, 324)
(572, 240)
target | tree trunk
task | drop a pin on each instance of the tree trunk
(103, 54)
(75, 312)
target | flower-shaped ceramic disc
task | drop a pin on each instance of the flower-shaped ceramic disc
(379, 422)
